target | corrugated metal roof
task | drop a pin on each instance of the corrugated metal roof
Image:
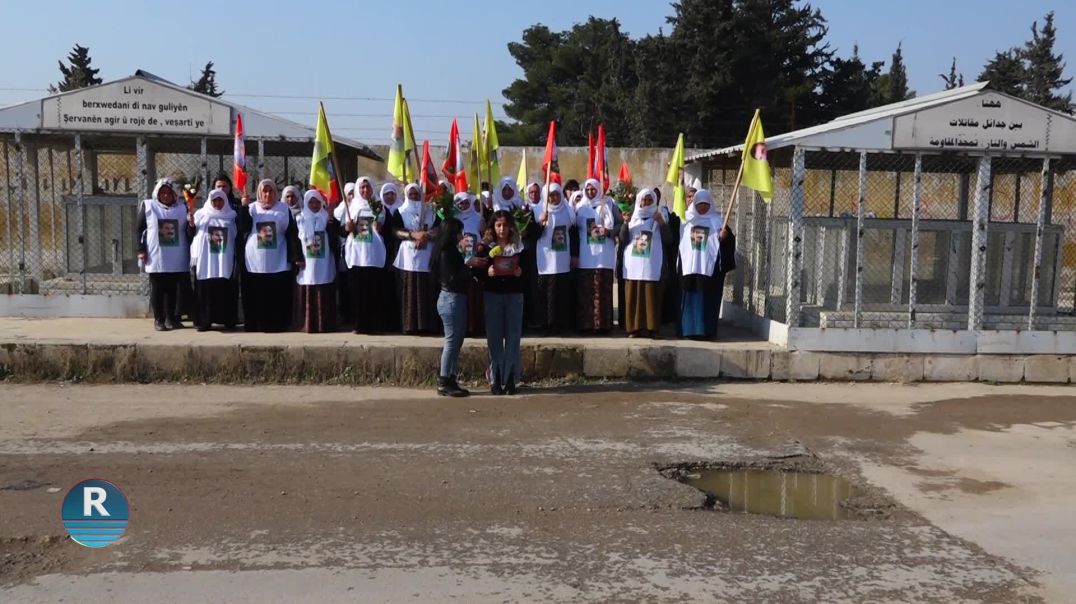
(854, 120)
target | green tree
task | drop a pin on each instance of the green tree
(1005, 72)
(580, 77)
(659, 95)
(953, 79)
(847, 86)
(207, 82)
(1044, 70)
(78, 74)
(897, 81)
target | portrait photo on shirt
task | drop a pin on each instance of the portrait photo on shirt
(218, 240)
(559, 239)
(316, 247)
(364, 229)
(168, 232)
(594, 234)
(467, 245)
(699, 234)
(266, 235)
(640, 247)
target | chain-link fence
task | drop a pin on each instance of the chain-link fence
(69, 204)
(906, 240)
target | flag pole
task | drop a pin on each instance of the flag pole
(414, 143)
(336, 165)
(739, 176)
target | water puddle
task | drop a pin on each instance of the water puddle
(801, 495)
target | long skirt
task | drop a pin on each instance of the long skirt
(315, 308)
(700, 305)
(365, 285)
(215, 302)
(476, 311)
(267, 300)
(556, 302)
(595, 299)
(642, 306)
(532, 314)
(418, 297)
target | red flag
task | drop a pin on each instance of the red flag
(453, 166)
(550, 166)
(239, 163)
(428, 177)
(601, 159)
(591, 159)
(625, 174)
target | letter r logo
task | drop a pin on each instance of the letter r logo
(93, 498)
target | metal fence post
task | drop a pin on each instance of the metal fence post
(795, 238)
(261, 161)
(81, 209)
(35, 222)
(10, 213)
(206, 185)
(913, 267)
(980, 219)
(20, 183)
(1040, 224)
(860, 209)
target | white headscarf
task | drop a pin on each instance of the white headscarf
(562, 213)
(311, 221)
(349, 188)
(298, 197)
(500, 202)
(209, 212)
(395, 188)
(162, 183)
(711, 218)
(462, 214)
(641, 214)
(272, 184)
(358, 188)
(527, 195)
(577, 200)
(598, 199)
(413, 212)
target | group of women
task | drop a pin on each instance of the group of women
(391, 263)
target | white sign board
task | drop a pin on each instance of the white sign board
(986, 122)
(136, 105)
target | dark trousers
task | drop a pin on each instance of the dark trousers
(164, 295)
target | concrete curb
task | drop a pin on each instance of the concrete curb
(381, 363)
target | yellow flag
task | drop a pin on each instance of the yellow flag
(397, 164)
(521, 177)
(756, 165)
(475, 167)
(322, 171)
(675, 178)
(492, 144)
(410, 151)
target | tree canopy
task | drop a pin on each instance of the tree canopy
(77, 73)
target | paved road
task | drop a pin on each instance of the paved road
(339, 494)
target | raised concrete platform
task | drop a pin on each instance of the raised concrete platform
(124, 350)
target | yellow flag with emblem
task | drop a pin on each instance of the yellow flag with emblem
(756, 165)
(675, 178)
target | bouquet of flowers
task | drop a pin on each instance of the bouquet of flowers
(376, 207)
(523, 218)
(446, 208)
(624, 195)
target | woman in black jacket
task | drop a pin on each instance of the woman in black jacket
(454, 276)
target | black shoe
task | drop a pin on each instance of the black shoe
(160, 326)
(495, 389)
(173, 324)
(510, 389)
(465, 391)
(229, 327)
(447, 387)
(203, 328)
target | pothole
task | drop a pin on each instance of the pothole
(800, 489)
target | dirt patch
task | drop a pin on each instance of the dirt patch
(22, 558)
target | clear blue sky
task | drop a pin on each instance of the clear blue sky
(438, 49)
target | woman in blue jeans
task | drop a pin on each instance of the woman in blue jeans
(504, 302)
(454, 275)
